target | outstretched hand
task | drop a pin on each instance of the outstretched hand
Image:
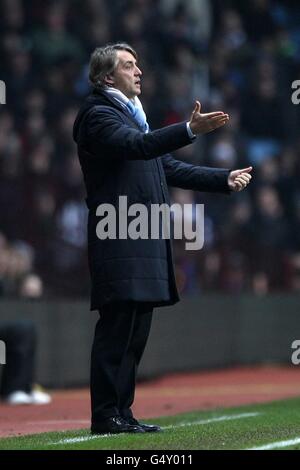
(239, 179)
(203, 123)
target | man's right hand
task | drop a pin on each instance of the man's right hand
(203, 123)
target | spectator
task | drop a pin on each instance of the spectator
(17, 383)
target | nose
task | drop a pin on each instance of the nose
(138, 71)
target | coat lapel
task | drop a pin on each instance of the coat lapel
(108, 100)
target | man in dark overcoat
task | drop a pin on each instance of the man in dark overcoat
(120, 157)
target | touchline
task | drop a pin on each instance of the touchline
(115, 223)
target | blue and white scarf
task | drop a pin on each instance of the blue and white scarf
(134, 106)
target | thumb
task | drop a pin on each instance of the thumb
(197, 108)
(246, 170)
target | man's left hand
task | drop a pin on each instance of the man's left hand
(239, 179)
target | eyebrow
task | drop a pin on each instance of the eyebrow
(129, 62)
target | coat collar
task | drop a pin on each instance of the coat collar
(105, 99)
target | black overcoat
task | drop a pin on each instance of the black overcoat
(118, 159)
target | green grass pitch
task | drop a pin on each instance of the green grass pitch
(269, 426)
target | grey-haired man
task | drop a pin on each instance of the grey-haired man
(120, 156)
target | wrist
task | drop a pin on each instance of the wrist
(191, 133)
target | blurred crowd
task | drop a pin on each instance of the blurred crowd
(237, 56)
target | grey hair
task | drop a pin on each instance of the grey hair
(104, 61)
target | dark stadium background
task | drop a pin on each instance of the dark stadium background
(238, 56)
(240, 293)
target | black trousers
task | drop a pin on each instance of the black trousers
(18, 372)
(120, 339)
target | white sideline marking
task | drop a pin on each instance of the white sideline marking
(80, 439)
(213, 420)
(74, 440)
(277, 445)
(62, 421)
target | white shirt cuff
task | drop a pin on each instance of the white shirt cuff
(189, 131)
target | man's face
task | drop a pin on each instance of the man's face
(126, 76)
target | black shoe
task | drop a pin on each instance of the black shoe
(115, 425)
(147, 427)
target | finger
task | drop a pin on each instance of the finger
(226, 119)
(238, 186)
(245, 177)
(217, 119)
(241, 182)
(242, 179)
(221, 117)
(212, 115)
(212, 124)
(218, 124)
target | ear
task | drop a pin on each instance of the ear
(109, 79)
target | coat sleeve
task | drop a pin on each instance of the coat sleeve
(106, 131)
(186, 176)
